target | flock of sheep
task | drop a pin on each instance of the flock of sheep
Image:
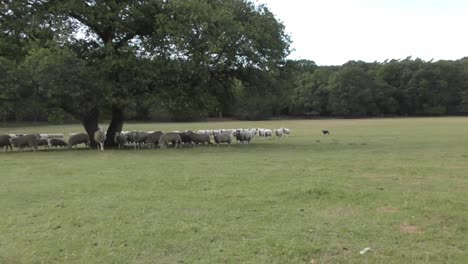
(140, 139)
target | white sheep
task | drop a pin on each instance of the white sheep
(279, 133)
(100, 137)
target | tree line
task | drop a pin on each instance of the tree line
(188, 60)
(406, 87)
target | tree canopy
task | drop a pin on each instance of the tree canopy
(182, 57)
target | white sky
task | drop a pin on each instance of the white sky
(332, 32)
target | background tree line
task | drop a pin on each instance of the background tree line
(180, 60)
(396, 88)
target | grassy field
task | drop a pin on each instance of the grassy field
(398, 186)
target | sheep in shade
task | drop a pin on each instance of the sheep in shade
(244, 136)
(100, 137)
(222, 138)
(120, 139)
(138, 138)
(78, 138)
(43, 142)
(185, 137)
(196, 138)
(29, 141)
(170, 137)
(5, 142)
(57, 142)
(153, 138)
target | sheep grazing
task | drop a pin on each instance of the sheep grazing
(237, 135)
(265, 133)
(100, 137)
(167, 138)
(153, 138)
(325, 132)
(78, 138)
(138, 138)
(254, 130)
(57, 142)
(120, 139)
(197, 138)
(244, 136)
(222, 138)
(5, 142)
(130, 137)
(185, 137)
(29, 141)
(43, 142)
(279, 133)
(261, 133)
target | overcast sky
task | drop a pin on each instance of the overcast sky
(332, 32)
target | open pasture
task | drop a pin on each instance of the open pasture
(398, 186)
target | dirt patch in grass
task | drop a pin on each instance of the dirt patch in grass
(344, 211)
(388, 210)
(410, 229)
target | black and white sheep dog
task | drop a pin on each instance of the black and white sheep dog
(325, 132)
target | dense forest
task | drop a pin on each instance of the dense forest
(187, 60)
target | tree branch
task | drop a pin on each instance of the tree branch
(123, 41)
(93, 26)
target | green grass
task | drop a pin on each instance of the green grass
(398, 186)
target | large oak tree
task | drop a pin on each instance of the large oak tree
(100, 55)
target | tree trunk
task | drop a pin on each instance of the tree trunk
(90, 122)
(115, 125)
